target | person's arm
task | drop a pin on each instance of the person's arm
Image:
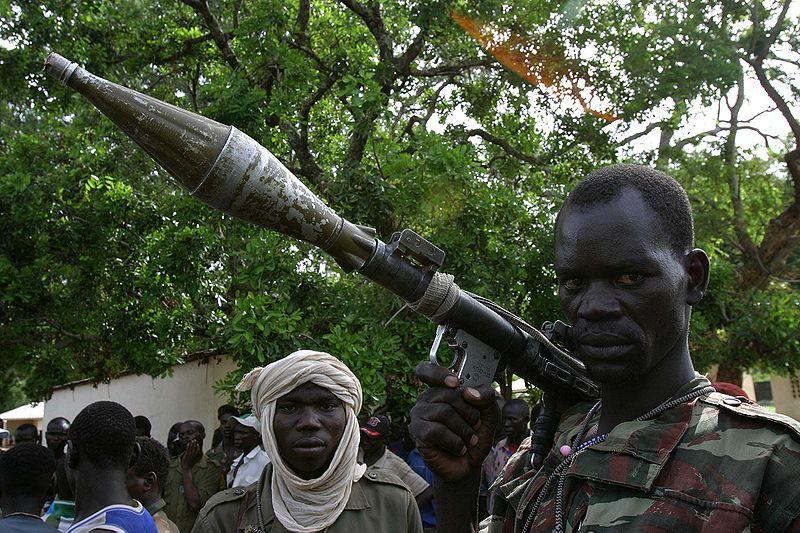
(413, 517)
(456, 503)
(453, 429)
(191, 456)
(425, 497)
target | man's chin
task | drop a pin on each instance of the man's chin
(612, 374)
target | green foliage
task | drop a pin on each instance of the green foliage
(106, 266)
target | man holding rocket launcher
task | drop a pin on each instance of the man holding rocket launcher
(228, 170)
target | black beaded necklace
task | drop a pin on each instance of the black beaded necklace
(570, 452)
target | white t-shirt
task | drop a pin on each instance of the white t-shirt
(247, 468)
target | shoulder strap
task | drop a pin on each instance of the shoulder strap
(744, 408)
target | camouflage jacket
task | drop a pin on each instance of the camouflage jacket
(716, 463)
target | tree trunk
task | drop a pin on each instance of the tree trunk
(730, 373)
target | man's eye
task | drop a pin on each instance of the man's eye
(629, 279)
(288, 409)
(572, 283)
(329, 406)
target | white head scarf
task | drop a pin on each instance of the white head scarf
(308, 505)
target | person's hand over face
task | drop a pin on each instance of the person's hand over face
(452, 428)
(192, 455)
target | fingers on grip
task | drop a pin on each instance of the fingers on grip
(436, 376)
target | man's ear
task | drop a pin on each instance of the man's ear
(698, 268)
(72, 455)
(137, 451)
(150, 480)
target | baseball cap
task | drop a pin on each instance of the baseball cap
(375, 427)
(249, 420)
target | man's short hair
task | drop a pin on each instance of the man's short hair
(197, 424)
(517, 403)
(27, 470)
(153, 458)
(142, 422)
(27, 428)
(57, 420)
(661, 193)
(227, 409)
(104, 433)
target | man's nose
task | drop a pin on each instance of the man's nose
(599, 302)
(308, 420)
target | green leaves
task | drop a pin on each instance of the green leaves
(106, 266)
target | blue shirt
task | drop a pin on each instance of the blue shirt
(416, 463)
(118, 518)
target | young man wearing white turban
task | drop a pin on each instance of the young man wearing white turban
(307, 404)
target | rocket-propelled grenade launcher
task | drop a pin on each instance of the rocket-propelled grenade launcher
(228, 170)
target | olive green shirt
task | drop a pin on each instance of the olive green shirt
(378, 502)
(208, 479)
(163, 523)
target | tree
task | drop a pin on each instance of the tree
(395, 115)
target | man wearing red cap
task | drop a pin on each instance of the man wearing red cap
(377, 456)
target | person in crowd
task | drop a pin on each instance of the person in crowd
(222, 449)
(376, 455)
(428, 511)
(26, 433)
(174, 445)
(101, 446)
(248, 465)
(143, 426)
(515, 418)
(146, 478)
(26, 472)
(192, 478)
(661, 449)
(224, 413)
(55, 435)
(61, 513)
(307, 404)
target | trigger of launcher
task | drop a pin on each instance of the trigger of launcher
(474, 362)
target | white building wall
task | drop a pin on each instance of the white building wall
(185, 395)
(786, 395)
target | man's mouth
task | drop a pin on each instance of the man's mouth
(309, 445)
(601, 340)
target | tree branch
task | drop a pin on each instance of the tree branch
(409, 129)
(648, 129)
(403, 62)
(219, 36)
(188, 46)
(510, 150)
(785, 60)
(372, 18)
(303, 16)
(730, 157)
(694, 138)
(773, 34)
(450, 70)
(299, 140)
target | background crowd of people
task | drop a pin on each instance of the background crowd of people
(173, 478)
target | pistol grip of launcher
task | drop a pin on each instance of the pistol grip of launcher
(474, 362)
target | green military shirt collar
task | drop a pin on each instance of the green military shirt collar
(632, 455)
(638, 449)
(156, 506)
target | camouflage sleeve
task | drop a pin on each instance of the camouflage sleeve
(778, 507)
